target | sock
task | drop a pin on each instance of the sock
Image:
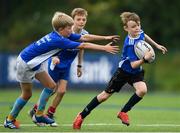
(18, 105)
(46, 93)
(93, 104)
(132, 101)
(35, 107)
(51, 110)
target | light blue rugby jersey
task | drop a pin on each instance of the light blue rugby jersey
(49, 45)
(67, 56)
(128, 54)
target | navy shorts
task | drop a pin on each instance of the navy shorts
(58, 74)
(120, 78)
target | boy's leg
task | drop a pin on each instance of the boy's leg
(46, 81)
(114, 85)
(39, 118)
(10, 121)
(141, 90)
(61, 90)
(43, 101)
(134, 99)
(123, 113)
(18, 105)
(92, 105)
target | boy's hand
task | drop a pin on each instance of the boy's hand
(55, 60)
(148, 55)
(79, 71)
(113, 38)
(111, 49)
(162, 48)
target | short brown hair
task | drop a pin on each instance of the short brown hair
(61, 20)
(78, 11)
(128, 16)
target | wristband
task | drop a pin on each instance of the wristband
(79, 66)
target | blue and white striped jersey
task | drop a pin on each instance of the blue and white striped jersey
(49, 45)
(128, 54)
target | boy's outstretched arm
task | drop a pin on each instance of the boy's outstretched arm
(108, 47)
(90, 37)
(158, 46)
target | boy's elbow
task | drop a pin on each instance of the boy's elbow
(133, 65)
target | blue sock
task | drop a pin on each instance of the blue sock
(45, 94)
(18, 105)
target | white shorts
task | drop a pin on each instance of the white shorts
(24, 74)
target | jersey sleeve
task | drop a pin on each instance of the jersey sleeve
(69, 44)
(74, 37)
(131, 54)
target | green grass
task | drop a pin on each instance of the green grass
(157, 112)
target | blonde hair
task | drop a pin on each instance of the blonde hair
(61, 20)
(129, 16)
(78, 11)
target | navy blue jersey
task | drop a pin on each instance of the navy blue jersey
(128, 54)
(39, 51)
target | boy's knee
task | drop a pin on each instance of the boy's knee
(103, 97)
(52, 85)
(61, 91)
(142, 92)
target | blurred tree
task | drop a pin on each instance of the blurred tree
(22, 22)
(25, 21)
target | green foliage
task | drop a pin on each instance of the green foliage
(28, 20)
(25, 21)
(164, 74)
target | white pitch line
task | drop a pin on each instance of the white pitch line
(158, 125)
(109, 124)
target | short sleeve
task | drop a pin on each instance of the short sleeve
(74, 37)
(65, 43)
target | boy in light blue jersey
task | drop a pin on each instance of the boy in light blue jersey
(30, 65)
(130, 71)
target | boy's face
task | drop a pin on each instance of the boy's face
(80, 21)
(133, 28)
(66, 32)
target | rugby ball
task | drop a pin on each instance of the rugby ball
(141, 47)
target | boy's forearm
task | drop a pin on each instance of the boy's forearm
(80, 56)
(87, 45)
(90, 37)
(136, 64)
(150, 40)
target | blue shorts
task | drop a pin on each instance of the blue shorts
(58, 73)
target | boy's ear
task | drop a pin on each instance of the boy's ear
(125, 28)
(60, 29)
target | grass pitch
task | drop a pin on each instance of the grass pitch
(157, 112)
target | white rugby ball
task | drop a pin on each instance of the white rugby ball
(141, 47)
